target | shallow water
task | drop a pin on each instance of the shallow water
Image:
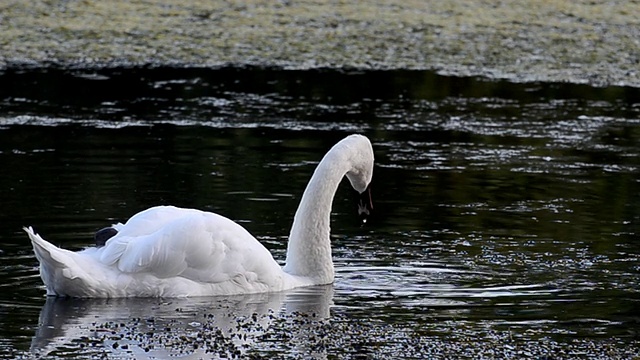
(505, 224)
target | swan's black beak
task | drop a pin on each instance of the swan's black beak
(365, 205)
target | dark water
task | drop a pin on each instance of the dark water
(506, 215)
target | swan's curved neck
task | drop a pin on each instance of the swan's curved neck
(309, 249)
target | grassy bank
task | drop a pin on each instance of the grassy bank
(571, 41)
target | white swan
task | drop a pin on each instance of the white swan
(166, 251)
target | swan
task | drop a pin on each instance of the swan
(166, 251)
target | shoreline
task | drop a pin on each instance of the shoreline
(571, 42)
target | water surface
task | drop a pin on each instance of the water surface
(505, 225)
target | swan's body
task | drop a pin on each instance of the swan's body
(166, 251)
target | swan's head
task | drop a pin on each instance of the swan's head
(361, 172)
(361, 162)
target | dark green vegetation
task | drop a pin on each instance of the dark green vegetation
(593, 42)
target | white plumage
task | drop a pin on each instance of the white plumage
(167, 251)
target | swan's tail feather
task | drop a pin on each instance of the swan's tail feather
(56, 264)
(43, 249)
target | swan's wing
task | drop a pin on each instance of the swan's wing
(203, 247)
(151, 220)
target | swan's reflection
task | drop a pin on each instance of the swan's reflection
(188, 328)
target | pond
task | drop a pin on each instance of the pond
(506, 216)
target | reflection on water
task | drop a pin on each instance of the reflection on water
(176, 327)
(506, 215)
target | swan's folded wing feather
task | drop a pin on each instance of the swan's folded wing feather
(137, 233)
(199, 246)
